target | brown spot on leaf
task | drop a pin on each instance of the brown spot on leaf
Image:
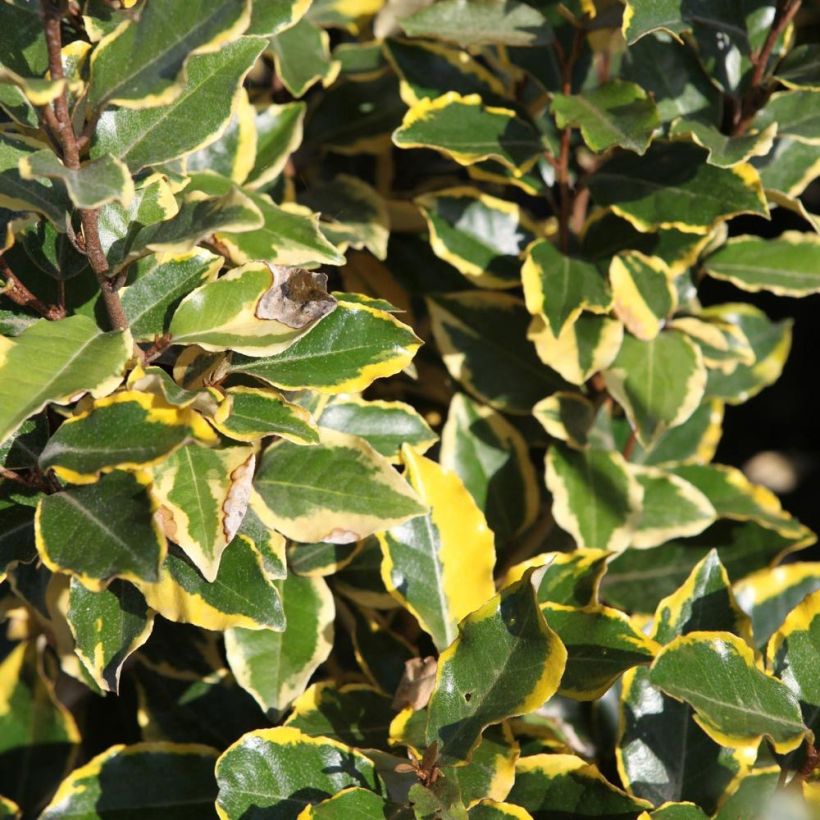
(239, 494)
(297, 297)
(417, 683)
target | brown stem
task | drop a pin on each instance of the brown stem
(755, 95)
(11, 475)
(64, 130)
(562, 169)
(629, 447)
(157, 349)
(21, 295)
(806, 770)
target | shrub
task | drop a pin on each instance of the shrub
(239, 567)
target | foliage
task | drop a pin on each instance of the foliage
(263, 554)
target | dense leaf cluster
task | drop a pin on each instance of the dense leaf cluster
(245, 573)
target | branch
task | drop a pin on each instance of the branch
(21, 295)
(64, 128)
(752, 100)
(562, 169)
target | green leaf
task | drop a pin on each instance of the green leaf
(756, 796)
(734, 496)
(438, 800)
(278, 134)
(788, 168)
(354, 214)
(8, 808)
(481, 337)
(181, 778)
(251, 310)
(23, 448)
(198, 217)
(200, 703)
(796, 114)
(37, 733)
(582, 349)
(723, 344)
(241, 594)
(16, 528)
(153, 202)
(601, 644)
(377, 345)
(671, 508)
(234, 153)
(642, 18)
(492, 459)
(480, 235)
(278, 772)
(637, 580)
(800, 68)
(616, 113)
(659, 383)
(19, 194)
(735, 702)
(768, 597)
(547, 785)
(107, 626)
(560, 287)
(494, 810)
(725, 36)
(119, 536)
(671, 73)
(302, 58)
(203, 495)
(150, 136)
(273, 16)
(792, 654)
(352, 802)
(770, 342)
(339, 490)
(470, 694)
(289, 235)
(595, 497)
(480, 22)
(250, 413)
(94, 183)
(788, 265)
(663, 755)
(570, 578)
(428, 70)
(275, 667)
(157, 286)
(606, 234)
(491, 770)
(725, 151)
(657, 760)
(567, 417)
(72, 356)
(643, 293)
(466, 130)
(385, 425)
(672, 186)
(361, 61)
(256, 528)
(322, 558)
(125, 430)
(439, 566)
(346, 119)
(126, 73)
(356, 714)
